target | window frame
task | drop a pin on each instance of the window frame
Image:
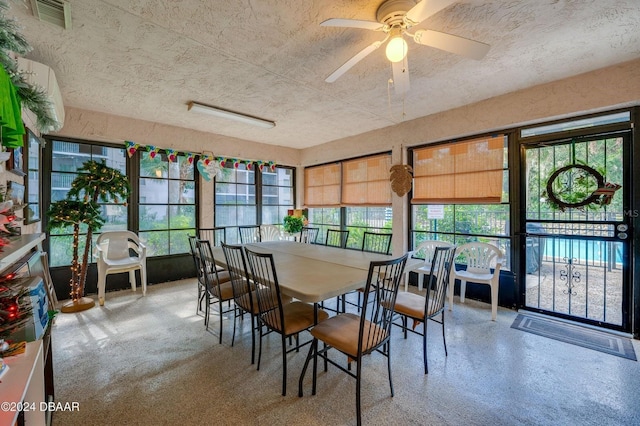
(30, 140)
(258, 184)
(461, 236)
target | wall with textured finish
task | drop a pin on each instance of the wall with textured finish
(95, 126)
(603, 89)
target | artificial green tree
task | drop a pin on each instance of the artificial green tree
(95, 181)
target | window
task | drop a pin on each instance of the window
(235, 200)
(277, 194)
(67, 157)
(360, 186)
(322, 185)
(468, 172)
(167, 214)
(32, 209)
(461, 193)
(324, 218)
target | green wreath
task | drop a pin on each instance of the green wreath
(574, 186)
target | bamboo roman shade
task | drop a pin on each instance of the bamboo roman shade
(468, 172)
(322, 186)
(365, 181)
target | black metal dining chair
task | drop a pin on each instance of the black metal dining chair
(337, 238)
(309, 235)
(374, 242)
(218, 289)
(216, 235)
(359, 335)
(244, 290)
(285, 319)
(422, 308)
(249, 234)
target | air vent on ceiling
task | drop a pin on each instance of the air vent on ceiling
(55, 12)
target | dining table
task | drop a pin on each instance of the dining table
(313, 273)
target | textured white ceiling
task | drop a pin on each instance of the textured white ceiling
(148, 58)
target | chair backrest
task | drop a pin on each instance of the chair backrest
(237, 267)
(208, 270)
(309, 235)
(428, 248)
(376, 243)
(193, 246)
(263, 274)
(249, 234)
(116, 244)
(270, 233)
(441, 263)
(376, 316)
(481, 257)
(216, 235)
(337, 238)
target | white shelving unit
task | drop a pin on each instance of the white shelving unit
(24, 382)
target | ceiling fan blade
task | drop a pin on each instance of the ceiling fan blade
(451, 43)
(425, 9)
(401, 76)
(351, 62)
(352, 23)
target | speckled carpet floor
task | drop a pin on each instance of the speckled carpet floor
(149, 361)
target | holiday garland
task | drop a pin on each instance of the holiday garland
(32, 97)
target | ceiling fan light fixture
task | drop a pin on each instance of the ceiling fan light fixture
(396, 48)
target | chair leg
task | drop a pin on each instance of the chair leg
(463, 290)
(450, 288)
(260, 346)
(420, 282)
(102, 281)
(405, 320)
(253, 339)
(387, 349)
(284, 365)
(132, 279)
(304, 367)
(143, 279)
(494, 301)
(358, 407)
(207, 308)
(235, 318)
(444, 339)
(424, 346)
(220, 313)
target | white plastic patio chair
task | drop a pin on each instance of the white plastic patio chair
(480, 258)
(426, 248)
(114, 257)
(270, 233)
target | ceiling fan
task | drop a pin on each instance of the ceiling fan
(395, 18)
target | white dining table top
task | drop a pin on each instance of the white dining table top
(312, 273)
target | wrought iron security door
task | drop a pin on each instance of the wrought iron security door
(577, 230)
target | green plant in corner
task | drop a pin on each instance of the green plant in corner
(95, 181)
(293, 224)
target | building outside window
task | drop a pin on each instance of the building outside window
(67, 157)
(167, 204)
(245, 195)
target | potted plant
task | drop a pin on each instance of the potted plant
(95, 181)
(293, 224)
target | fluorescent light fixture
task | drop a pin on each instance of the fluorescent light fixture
(236, 116)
